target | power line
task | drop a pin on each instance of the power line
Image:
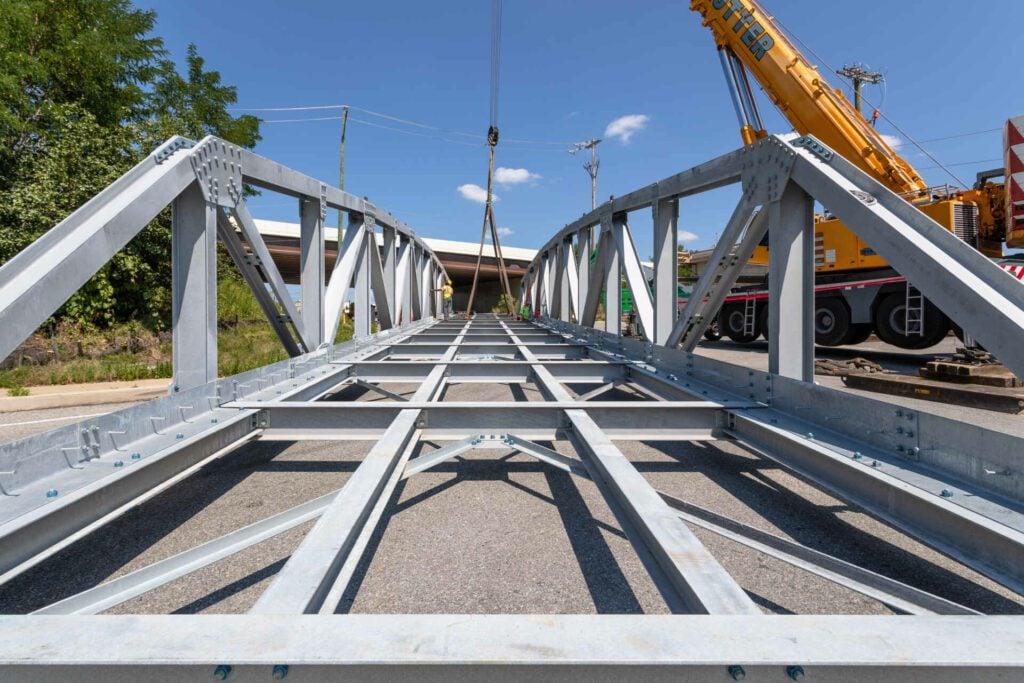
(967, 163)
(963, 135)
(389, 117)
(892, 123)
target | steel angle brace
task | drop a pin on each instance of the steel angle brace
(697, 580)
(895, 594)
(989, 547)
(493, 441)
(311, 575)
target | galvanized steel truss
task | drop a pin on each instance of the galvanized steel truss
(895, 463)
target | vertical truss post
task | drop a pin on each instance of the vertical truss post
(569, 281)
(583, 247)
(791, 284)
(612, 278)
(312, 266)
(438, 283)
(560, 293)
(402, 286)
(390, 255)
(415, 283)
(194, 284)
(666, 268)
(540, 304)
(362, 277)
(425, 293)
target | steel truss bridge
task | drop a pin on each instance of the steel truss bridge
(956, 487)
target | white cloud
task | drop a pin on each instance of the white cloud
(893, 141)
(625, 127)
(474, 193)
(504, 232)
(513, 176)
(687, 236)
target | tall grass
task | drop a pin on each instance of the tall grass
(245, 340)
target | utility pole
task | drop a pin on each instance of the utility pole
(591, 166)
(341, 168)
(859, 74)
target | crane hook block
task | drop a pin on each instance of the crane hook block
(492, 136)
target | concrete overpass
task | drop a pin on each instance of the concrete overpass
(459, 259)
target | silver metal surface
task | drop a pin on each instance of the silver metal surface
(955, 488)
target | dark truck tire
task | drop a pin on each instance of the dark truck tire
(831, 321)
(731, 323)
(891, 323)
(714, 331)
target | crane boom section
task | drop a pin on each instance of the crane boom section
(806, 99)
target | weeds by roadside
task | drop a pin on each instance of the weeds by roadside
(75, 354)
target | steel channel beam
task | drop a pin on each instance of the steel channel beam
(582, 371)
(467, 647)
(621, 420)
(27, 536)
(699, 580)
(544, 351)
(124, 588)
(306, 580)
(977, 541)
(899, 596)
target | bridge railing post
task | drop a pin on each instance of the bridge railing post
(312, 266)
(194, 289)
(791, 284)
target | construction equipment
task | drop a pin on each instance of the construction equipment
(857, 292)
(492, 142)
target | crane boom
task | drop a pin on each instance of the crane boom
(745, 32)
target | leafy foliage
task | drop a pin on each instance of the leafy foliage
(87, 92)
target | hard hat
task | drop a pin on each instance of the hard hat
(449, 281)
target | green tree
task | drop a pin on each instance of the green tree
(87, 93)
(196, 105)
(93, 53)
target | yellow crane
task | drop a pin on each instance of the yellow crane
(751, 43)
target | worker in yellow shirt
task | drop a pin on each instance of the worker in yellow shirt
(446, 295)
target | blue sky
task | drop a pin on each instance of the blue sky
(568, 71)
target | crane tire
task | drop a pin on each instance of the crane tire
(891, 321)
(731, 322)
(831, 321)
(859, 333)
(714, 331)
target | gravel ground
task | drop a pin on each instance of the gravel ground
(493, 532)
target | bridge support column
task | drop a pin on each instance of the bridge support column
(362, 284)
(194, 285)
(390, 255)
(312, 267)
(583, 247)
(666, 268)
(791, 285)
(612, 279)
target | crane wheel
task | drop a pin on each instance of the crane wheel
(891, 323)
(731, 322)
(859, 333)
(714, 331)
(831, 321)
